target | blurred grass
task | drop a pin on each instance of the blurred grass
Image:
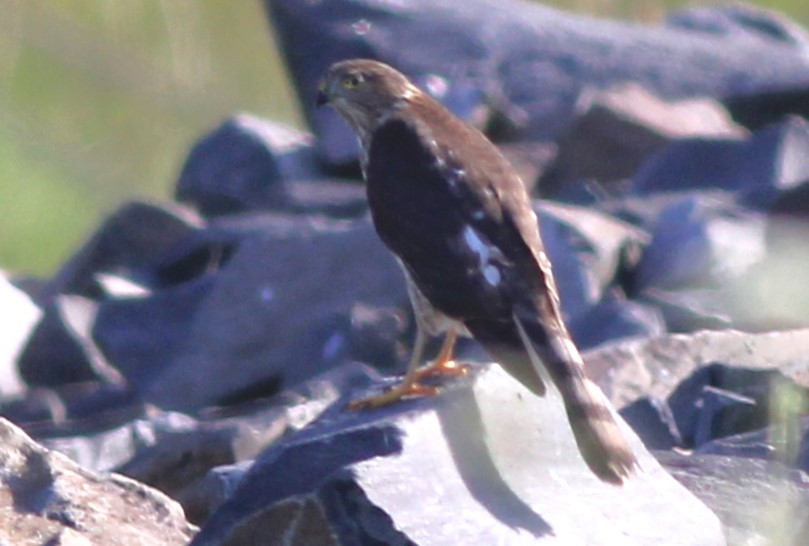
(100, 101)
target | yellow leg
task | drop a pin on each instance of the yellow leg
(444, 364)
(409, 386)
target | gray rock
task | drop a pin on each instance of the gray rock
(699, 242)
(651, 419)
(527, 62)
(390, 476)
(244, 164)
(131, 242)
(617, 129)
(18, 317)
(756, 110)
(141, 337)
(204, 496)
(759, 168)
(73, 409)
(48, 499)
(614, 319)
(689, 310)
(587, 249)
(720, 400)
(275, 311)
(772, 294)
(335, 198)
(131, 239)
(785, 441)
(758, 502)
(656, 366)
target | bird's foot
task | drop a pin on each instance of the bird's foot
(401, 391)
(447, 367)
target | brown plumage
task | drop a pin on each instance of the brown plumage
(458, 218)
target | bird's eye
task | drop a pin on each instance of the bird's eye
(352, 81)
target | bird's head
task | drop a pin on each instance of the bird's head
(365, 93)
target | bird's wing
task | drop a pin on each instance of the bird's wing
(483, 179)
(487, 181)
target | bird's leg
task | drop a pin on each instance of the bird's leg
(444, 363)
(409, 386)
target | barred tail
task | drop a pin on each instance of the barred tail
(601, 441)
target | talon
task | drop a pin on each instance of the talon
(444, 364)
(399, 392)
(451, 368)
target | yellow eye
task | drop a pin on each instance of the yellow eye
(352, 81)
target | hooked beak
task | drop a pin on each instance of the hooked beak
(322, 95)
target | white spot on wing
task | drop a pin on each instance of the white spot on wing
(492, 275)
(484, 252)
(476, 244)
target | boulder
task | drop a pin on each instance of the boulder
(18, 318)
(656, 366)
(447, 470)
(757, 501)
(588, 250)
(278, 309)
(48, 499)
(755, 110)
(130, 243)
(758, 169)
(245, 164)
(719, 400)
(526, 62)
(700, 242)
(617, 129)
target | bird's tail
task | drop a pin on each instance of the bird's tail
(601, 442)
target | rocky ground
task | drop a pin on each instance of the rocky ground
(184, 377)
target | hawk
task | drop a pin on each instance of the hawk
(457, 216)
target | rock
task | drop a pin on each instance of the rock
(656, 366)
(375, 335)
(132, 239)
(757, 110)
(142, 337)
(174, 452)
(699, 242)
(527, 62)
(244, 164)
(18, 318)
(652, 420)
(771, 294)
(739, 20)
(203, 497)
(759, 169)
(130, 242)
(176, 461)
(48, 499)
(758, 502)
(785, 441)
(388, 470)
(587, 249)
(614, 319)
(617, 129)
(689, 310)
(720, 400)
(278, 310)
(335, 198)
(74, 408)
(58, 353)
(107, 448)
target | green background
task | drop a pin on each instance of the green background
(100, 101)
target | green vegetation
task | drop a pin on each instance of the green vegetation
(100, 101)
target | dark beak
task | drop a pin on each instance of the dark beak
(322, 97)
